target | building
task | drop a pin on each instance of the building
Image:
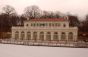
(45, 30)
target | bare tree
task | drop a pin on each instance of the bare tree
(73, 20)
(9, 10)
(51, 14)
(58, 14)
(9, 14)
(46, 14)
(32, 12)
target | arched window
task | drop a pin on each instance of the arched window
(16, 35)
(22, 35)
(34, 36)
(28, 35)
(63, 36)
(41, 36)
(55, 37)
(48, 36)
(70, 36)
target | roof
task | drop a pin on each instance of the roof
(58, 19)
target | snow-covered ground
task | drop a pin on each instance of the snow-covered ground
(7, 50)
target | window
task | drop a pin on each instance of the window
(58, 24)
(42, 24)
(48, 36)
(37, 24)
(50, 24)
(31, 24)
(64, 25)
(53, 24)
(70, 36)
(26, 24)
(34, 36)
(34, 24)
(22, 35)
(41, 37)
(28, 35)
(16, 35)
(46, 24)
(55, 37)
(63, 36)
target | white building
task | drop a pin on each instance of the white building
(45, 30)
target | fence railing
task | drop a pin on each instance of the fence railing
(77, 44)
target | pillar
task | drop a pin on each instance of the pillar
(75, 36)
(13, 35)
(59, 36)
(31, 35)
(52, 36)
(25, 35)
(19, 35)
(38, 36)
(66, 36)
(44, 36)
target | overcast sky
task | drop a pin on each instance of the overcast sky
(77, 7)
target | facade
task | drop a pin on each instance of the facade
(45, 30)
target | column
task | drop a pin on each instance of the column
(38, 36)
(75, 36)
(66, 36)
(44, 36)
(25, 35)
(59, 36)
(51, 36)
(31, 35)
(13, 35)
(19, 35)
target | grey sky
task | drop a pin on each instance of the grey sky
(78, 7)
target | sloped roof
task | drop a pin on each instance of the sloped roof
(53, 19)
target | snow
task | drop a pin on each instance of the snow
(8, 50)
